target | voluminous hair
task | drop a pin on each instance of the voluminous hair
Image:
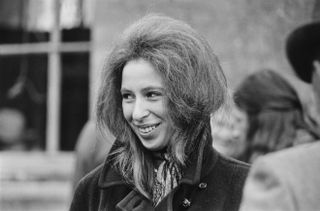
(195, 87)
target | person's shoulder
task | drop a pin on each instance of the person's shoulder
(225, 168)
(86, 190)
(234, 163)
(286, 173)
(233, 170)
(291, 165)
(95, 173)
(231, 174)
(92, 178)
(298, 155)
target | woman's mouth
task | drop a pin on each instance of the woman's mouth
(148, 129)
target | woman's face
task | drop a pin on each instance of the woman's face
(144, 104)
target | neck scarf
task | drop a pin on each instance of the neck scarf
(166, 178)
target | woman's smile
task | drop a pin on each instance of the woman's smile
(146, 130)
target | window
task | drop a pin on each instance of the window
(44, 86)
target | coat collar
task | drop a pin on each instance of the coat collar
(201, 164)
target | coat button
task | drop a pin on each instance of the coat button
(186, 203)
(203, 185)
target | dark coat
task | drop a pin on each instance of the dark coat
(210, 182)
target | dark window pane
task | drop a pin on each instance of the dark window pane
(76, 34)
(15, 35)
(23, 88)
(74, 97)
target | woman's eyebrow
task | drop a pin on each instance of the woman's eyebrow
(153, 88)
(124, 90)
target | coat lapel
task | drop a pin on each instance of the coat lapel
(134, 201)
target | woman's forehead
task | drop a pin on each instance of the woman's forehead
(140, 72)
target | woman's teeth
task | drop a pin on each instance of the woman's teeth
(147, 129)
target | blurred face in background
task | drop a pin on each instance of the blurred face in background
(229, 132)
(144, 104)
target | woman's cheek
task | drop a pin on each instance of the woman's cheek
(127, 111)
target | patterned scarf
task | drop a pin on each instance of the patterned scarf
(166, 178)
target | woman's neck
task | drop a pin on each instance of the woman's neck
(158, 156)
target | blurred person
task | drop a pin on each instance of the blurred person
(12, 128)
(91, 150)
(14, 134)
(289, 180)
(275, 114)
(160, 85)
(229, 128)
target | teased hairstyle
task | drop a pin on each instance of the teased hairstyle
(274, 111)
(194, 85)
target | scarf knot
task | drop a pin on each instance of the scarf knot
(166, 178)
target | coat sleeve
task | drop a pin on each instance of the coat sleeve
(266, 189)
(79, 201)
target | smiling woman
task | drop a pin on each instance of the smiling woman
(159, 87)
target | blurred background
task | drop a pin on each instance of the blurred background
(51, 54)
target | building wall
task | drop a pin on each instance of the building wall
(247, 35)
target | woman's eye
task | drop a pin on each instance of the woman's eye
(127, 96)
(153, 94)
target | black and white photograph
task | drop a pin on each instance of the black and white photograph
(159, 105)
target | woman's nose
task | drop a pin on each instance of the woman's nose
(140, 110)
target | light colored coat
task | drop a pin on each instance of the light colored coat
(286, 180)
